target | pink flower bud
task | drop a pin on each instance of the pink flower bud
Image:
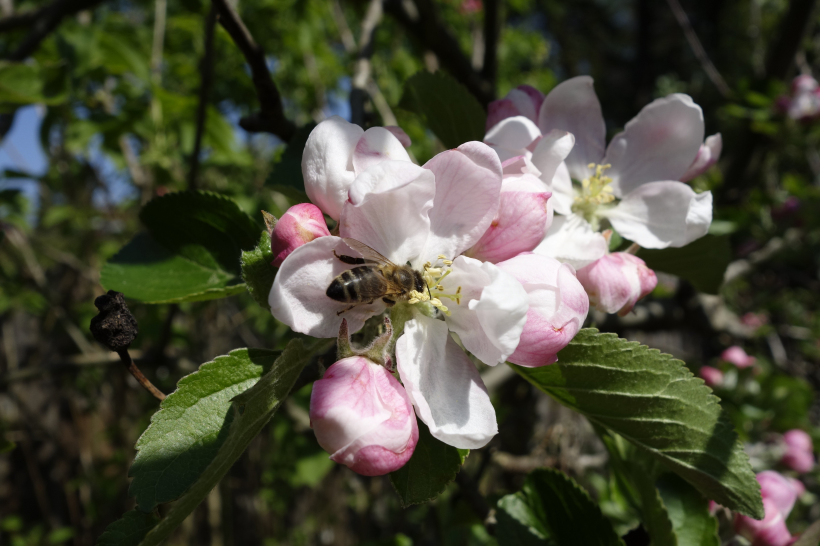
(558, 306)
(299, 225)
(519, 226)
(799, 454)
(708, 155)
(363, 417)
(778, 489)
(711, 376)
(770, 531)
(737, 356)
(616, 282)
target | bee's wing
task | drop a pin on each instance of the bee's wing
(366, 252)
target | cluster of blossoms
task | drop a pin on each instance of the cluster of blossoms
(803, 103)
(504, 244)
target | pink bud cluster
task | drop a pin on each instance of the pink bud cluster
(779, 496)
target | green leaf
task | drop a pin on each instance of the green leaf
(453, 114)
(688, 511)
(702, 262)
(553, 509)
(433, 465)
(191, 253)
(653, 401)
(257, 271)
(286, 176)
(128, 530)
(195, 417)
(146, 271)
(191, 425)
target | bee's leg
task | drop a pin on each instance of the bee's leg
(347, 309)
(349, 259)
(389, 302)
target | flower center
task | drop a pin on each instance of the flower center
(433, 275)
(595, 191)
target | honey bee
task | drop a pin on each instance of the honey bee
(377, 278)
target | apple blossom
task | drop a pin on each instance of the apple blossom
(558, 307)
(363, 417)
(633, 184)
(337, 151)
(711, 376)
(616, 282)
(708, 155)
(799, 454)
(301, 224)
(737, 356)
(425, 216)
(779, 495)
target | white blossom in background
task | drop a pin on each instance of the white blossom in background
(633, 184)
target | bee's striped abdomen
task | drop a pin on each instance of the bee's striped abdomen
(359, 284)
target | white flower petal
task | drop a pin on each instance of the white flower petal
(376, 145)
(298, 296)
(662, 214)
(573, 106)
(492, 312)
(444, 385)
(468, 189)
(551, 151)
(658, 144)
(327, 165)
(571, 240)
(388, 209)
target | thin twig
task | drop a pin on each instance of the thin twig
(361, 74)
(424, 24)
(271, 118)
(141, 379)
(698, 50)
(206, 68)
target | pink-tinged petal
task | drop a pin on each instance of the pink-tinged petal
(573, 106)
(388, 209)
(662, 214)
(737, 356)
(558, 308)
(492, 312)
(298, 296)
(512, 136)
(571, 240)
(377, 144)
(399, 133)
(658, 144)
(563, 196)
(616, 282)
(778, 489)
(498, 111)
(363, 417)
(301, 224)
(550, 153)
(708, 155)
(711, 376)
(468, 189)
(519, 225)
(327, 165)
(444, 385)
(770, 531)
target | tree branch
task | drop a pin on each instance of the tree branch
(206, 68)
(697, 49)
(361, 74)
(271, 118)
(423, 23)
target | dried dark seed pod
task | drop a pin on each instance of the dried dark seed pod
(115, 327)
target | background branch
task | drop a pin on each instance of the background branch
(271, 118)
